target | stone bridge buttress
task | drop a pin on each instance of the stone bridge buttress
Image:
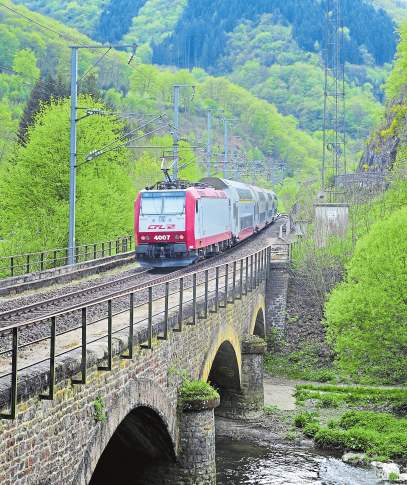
(60, 442)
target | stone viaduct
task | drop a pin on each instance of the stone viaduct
(144, 438)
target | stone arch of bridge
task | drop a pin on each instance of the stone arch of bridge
(258, 326)
(224, 357)
(140, 426)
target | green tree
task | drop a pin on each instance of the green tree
(26, 63)
(366, 315)
(34, 185)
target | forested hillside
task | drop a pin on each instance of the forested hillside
(199, 37)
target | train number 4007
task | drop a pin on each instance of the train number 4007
(161, 238)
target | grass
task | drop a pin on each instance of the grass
(333, 396)
(310, 363)
(381, 436)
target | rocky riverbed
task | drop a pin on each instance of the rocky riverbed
(277, 429)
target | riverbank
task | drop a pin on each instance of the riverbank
(277, 427)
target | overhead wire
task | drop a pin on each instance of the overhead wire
(38, 79)
(67, 37)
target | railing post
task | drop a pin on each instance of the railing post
(14, 369)
(130, 241)
(66, 256)
(28, 263)
(255, 270)
(241, 280)
(181, 301)
(167, 296)
(51, 395)
(226, 284)
(86, 253)
(110, 248)
(55, 259)
(103, 250)
(234, 283)
(108, 367)
(206, 293)
(12, 266)
(94, 251)
(150, 320)
(42, 261)
(84, 349)
(251, 273)
(217, 290)
(77, 254)
(131, 329)
(193, 299)
(247, 276)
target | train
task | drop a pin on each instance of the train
(178, 223)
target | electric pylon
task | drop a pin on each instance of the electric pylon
(334, 151)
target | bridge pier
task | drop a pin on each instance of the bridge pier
(248, 401)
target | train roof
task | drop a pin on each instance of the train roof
(220, 183)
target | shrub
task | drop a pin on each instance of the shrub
(330, 439)
(301, 420)
(328, 400)
(368, 330)
(312, 429)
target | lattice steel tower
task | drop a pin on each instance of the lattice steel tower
(334, 152)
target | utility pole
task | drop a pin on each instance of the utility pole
(73, 132)
(225, 148)
(296, 179)
(208, 148)
(176, 107)
(231, 158)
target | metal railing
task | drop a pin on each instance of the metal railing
(239, 278)
(21, 264)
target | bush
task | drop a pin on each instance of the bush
(312, 429)
(378, 435)
(301, 420)
(366, 315)
(328, 400)
(331, 439)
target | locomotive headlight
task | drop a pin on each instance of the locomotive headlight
(147, 238)
(176, 236)
(143, 238)
(182, 236)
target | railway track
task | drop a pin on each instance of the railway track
(36, 313)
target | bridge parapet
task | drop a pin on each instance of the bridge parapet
(60, 440)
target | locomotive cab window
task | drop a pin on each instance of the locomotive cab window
(162, 203)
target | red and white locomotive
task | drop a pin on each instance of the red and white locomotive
(178, 223)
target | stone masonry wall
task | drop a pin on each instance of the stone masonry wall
(59, 442)
(276, 296)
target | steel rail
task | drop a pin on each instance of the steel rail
(168, 294)
(52, 301)
(154, 283)
(261, 270)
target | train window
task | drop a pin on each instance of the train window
(174, 205)
(196, 206)
(160, 202)
(151, 206)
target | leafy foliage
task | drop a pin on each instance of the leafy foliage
(116, 19)
(199, 37)
(34, 191)
(366, 314)
(379, 435)
(99, 404)
(301, 420)
(397, 398)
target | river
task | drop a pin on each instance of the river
(242, 463)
